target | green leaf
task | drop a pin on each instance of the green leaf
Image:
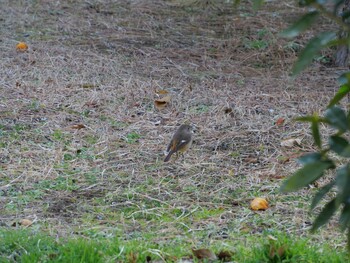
(309, 118)
(342, 177)
(316, 133)
(337, 118)
(344, 78)
(337, 42)
(339, 145)
(324, 216)
(301, 25)
(321, 193)
(342, 92)
(344, 219)
(311, 50)
(306, 175)
(310, 158)
(345, 15)
(343, 184)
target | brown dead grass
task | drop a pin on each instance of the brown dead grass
(100, 63)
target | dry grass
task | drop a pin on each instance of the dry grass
(99, 63)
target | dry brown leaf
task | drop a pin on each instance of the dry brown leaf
(26, 222)
(280, 252)
(289, 143)
(21, 46)
(225, 256)
(204, 253)
(162, 91)
(78, 126)
(259, 204)
(91, 104)
(88, 86)
(132, 257)
(228, 110)
(52, 256)
(280, 121)
(161, 103)
(285, 159)
(251, 160)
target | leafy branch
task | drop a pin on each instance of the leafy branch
(315, 165)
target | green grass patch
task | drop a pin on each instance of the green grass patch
(26, 246)
(58, 135)
(132, 137)
(66, 183)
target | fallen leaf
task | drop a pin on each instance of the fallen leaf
(285, 159)
(132, 257)
(25, 222)
(225, 256)
(231, 172)
(245, 228)
(251, 160)
(91, 104)
(162, 91)
(88, 86)
(280, 121)
(21, 46)
(78, 126)
(273, 175)
(289, 143)
(228, 110)
(204, 253)
(259, 204)
(52, 256)
(279, 252)
(161, 103)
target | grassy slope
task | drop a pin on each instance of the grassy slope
(100, 65)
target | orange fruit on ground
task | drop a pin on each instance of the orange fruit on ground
(259, 204)
(21, 46)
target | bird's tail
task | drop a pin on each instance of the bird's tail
(167, 158)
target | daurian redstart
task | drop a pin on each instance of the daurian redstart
(180, 142)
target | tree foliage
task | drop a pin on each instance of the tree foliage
(315, 165)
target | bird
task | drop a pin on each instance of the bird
(180, 142)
